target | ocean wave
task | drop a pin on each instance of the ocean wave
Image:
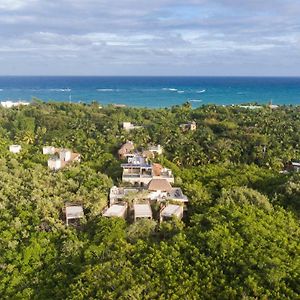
(106, 90)
(195, 100)
(180, 92)
(170, 89)
(201, 91)
(60, 90)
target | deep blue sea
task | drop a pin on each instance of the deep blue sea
(153, 91)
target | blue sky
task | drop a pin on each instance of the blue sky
(158, 37)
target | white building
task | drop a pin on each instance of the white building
(171, 210)
(49, 150)
(73, 212)
(65, 155)
(156, 149)
(15, 148)
(129, 126)
(54, 163)
(142, 211)
(189, 126)
(10, 104)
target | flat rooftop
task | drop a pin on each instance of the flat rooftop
(74, 212)
(171, 210)
(142, 211)
(115, 211)
(177, 194)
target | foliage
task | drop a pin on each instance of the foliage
(239, 240)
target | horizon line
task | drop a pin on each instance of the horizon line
(212, 76)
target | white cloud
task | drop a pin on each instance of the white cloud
(162, 34)
(11, 5)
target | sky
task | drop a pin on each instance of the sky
(150, 37)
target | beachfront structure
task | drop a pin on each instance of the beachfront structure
(15, 149)
(10, 104)
(73, 212)
(137, 171)
(156, 149)
(191, 126)
(171, 210)
(251, 106)
(126, 150)
(49, 150)
(61, 158)
(142, 211)
(129, 126)
(116, 210)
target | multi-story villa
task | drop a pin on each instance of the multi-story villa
(138, 172)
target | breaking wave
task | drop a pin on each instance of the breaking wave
(60, 90)
(170, 89)
(106, 90)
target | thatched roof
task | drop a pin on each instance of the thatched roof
(127, 147)
(157, 168)
(159, 185)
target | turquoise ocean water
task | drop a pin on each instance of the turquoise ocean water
(154, 91)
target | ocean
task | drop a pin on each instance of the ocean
(153, 91)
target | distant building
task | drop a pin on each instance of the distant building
(126, 150)
(129, 126)
(156, 149)
(116, 210)
(15, 149)
(10, 104)
(148, 154)
(191, 126)
(142, 211)
(73, 213)
(251, 106)
(61, 158)
(171, 210)
(49, 150)
(292, 166)
(54, 163)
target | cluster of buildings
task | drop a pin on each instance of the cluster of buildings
(147, 191)
(60, 157)
(147, 185)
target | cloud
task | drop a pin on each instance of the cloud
(11, 5)
(162, 36)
